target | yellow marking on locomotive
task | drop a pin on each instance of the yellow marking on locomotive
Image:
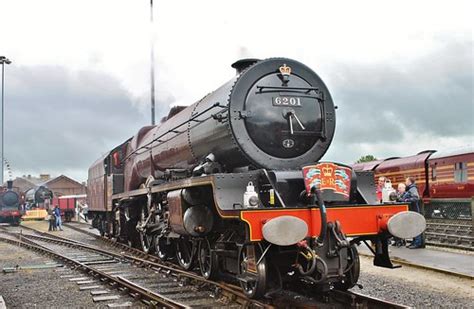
(35, 214)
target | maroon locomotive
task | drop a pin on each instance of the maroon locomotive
(234, 183)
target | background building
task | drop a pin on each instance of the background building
(61, 185)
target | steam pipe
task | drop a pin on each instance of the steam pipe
(316, 196)
(324, 272)
(313, 263)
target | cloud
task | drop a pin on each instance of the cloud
(58, 120)
(398, 106)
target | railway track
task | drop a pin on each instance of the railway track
(155, 284)
(160, 284)
(446, 233)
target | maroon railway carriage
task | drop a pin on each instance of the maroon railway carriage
(451, 174)
(445, 179)
(451, 179)
(398, 169)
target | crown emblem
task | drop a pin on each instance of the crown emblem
(327, 171)
(285, 70)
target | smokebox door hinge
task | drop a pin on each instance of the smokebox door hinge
(245, 114)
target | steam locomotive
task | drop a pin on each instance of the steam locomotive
(234, 184)
(37, 196)
(10, 205)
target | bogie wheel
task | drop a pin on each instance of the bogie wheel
(252, 276)
(207, 259)
(163, 249)
(146, 240)
(185, 252)
(352, 274)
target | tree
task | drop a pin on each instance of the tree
(366, 158)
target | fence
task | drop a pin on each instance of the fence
(454, 210)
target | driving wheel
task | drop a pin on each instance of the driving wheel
(163, 249)
(146, 240)
(207, 259)
(252, 276)
(185, 251)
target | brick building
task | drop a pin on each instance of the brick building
(63, 185)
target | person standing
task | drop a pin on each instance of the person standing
(380, 186)
(399, 195)
(52, 220)
(83, 209)
(412, 196)
(57, 214)
(401, 190)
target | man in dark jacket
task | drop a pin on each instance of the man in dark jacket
(413, 197)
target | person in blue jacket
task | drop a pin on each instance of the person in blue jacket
(412, 196)
(57, 214)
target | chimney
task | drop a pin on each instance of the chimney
(10, 184)
(45, 176)
(242, 64)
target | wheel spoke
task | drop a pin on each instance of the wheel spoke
(207, 262)
(253, 284)
(184, 253)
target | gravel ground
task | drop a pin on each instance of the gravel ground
(415, 287)
(42, 288)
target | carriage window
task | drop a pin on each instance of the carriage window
(460, 172)
(433, 172)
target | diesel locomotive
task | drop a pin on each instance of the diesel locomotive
(233, 184)
(10, 205)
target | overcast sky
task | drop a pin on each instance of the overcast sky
(401, 73)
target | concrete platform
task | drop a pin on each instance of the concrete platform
(457, 262)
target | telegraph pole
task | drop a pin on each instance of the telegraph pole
(3, 60)
(152, 63)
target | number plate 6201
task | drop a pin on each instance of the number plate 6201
(287, 101)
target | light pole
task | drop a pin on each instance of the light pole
(3, 60)
(152, 63)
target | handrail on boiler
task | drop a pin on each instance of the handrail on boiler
(173, 130)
